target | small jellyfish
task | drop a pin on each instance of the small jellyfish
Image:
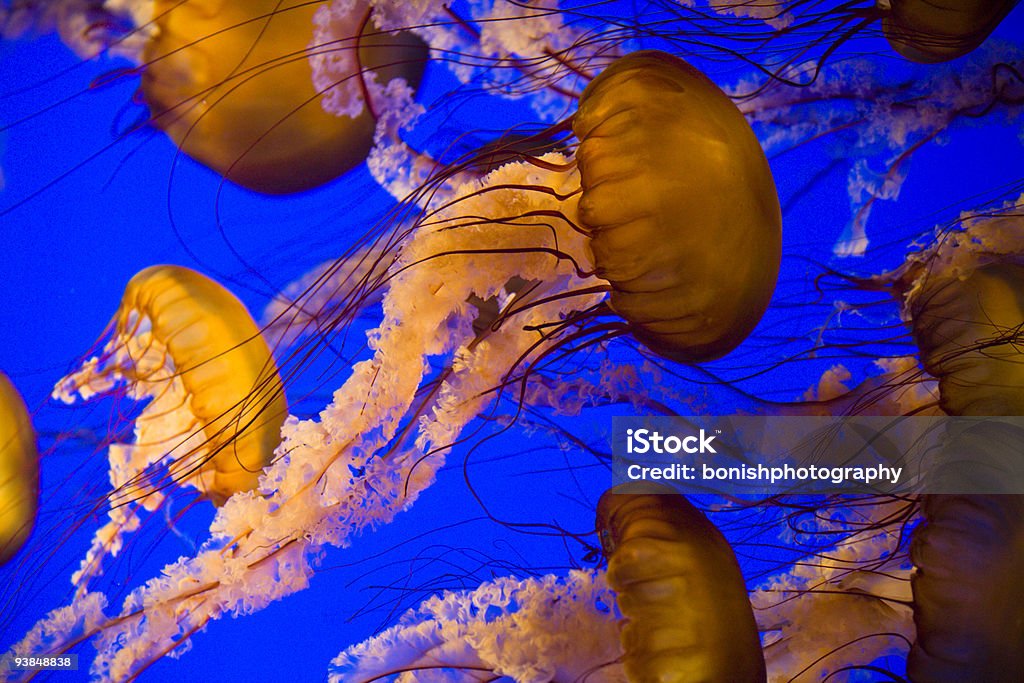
(680, 589)
(929, 31)
(232, 84)
(680, 203)
(19, 471)
(217, 407)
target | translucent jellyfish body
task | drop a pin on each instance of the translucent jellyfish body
(940, 30)
(216, 399)
(964, 301)
(680, 202)
(968, 555)
(19, 471)
(232, 84)
(679, 587)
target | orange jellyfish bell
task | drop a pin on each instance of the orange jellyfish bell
(680, 589)
(967, 329)
(187, 342)
(929, 31)
(684, 217)
(19, 471)
(231, 83)
(215, 399)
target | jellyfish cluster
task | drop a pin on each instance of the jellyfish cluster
(382, 272)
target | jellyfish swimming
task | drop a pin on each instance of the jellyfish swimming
(940, 31)
(680, 590)
(19, 471)
(216, 398)
(232, 85)
(672, 605)
(642, 124)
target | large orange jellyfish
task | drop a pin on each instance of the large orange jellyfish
(19, 471)
(684, 219)
(232, 85)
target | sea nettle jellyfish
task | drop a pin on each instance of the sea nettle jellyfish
(19, 471)
(928, 31)
(686, 612)
(544, 241)
(232, 84)
(216, 402)
(964, 299)
(922, 31)
(671, 606)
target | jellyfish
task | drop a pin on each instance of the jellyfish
(941, 31)
(680, 590)
(216, 405)
(640, 120)
(920, 31)
(964, 300)
(672, 606)
(19, 471)
(232, 86)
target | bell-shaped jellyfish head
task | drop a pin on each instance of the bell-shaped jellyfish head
(968, 555)
(963, 297)
(232, 84)
(929, 31)
(680, 203)
(215, 406)
(968, 332)
(182, 338)
(19, 471)
(679, 587)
